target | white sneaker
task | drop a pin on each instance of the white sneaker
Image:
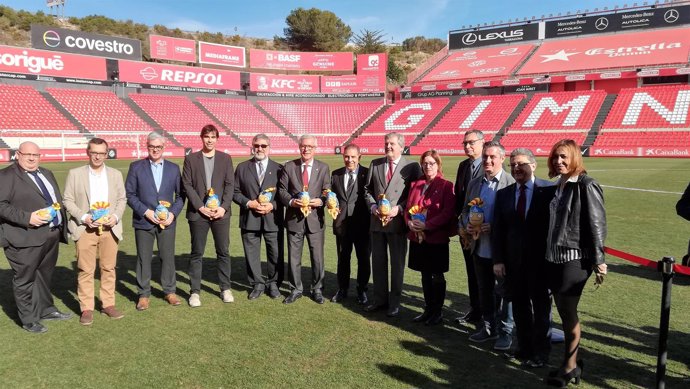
(227, 296)
(194, 300)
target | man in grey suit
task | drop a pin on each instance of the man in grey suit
(30, 240)
(392, 176)
(312, 176)
(485, 188)
(260, 219)
(351, 227)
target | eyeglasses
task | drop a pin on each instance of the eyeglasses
(470, 142)
(30, 155)
(97, 154)
(258, 146)
(307, 147)
(428, 163)
(156, 148)
(519, 165)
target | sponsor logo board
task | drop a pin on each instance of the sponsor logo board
(50, 63)
(287, 60)
(78, 42)
(179, 76)
(224, 55)
(172, 49)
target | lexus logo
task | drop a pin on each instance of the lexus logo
(671, 16)
(469, 39)
(601, 24)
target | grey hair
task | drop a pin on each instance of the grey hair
(308, 136)
(399, 136)
(351, 146)
(153, 135)
(496, 144)
(524, 151)
(261, 136)
(480, 135)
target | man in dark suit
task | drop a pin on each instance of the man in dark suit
(470, 168)
(260, 219)
(392, 176)
(150, 181)
(518, 240)
(351, 227)
(485, 188)
(207, 169)
(29, 239)
(305, 174)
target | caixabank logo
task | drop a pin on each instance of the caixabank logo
(69, 41)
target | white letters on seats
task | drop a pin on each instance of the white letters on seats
(474, 115)
(412, 120)
(576, 106)
(679, 115)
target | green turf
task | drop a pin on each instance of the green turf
(264, 343)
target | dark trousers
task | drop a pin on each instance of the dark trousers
(344, 244)
(251, 242)
(381, 244)
(472, 288)
(220, 229)
(32, 269)
(295, 246)
(496, 308)
(434, 288)
(165, 239)
(532, 310)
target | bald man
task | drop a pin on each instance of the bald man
(30, 241)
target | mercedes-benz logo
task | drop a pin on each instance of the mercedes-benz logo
(469, 39)
(671, 16)
(601, 24)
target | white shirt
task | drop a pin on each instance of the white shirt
(347, 175)
(98, 187)
(395, 164)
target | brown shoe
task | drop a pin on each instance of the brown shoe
(86, 318)
(172, 299)
(143, 304)
(112, 312)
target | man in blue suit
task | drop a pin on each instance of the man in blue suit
(149, 182)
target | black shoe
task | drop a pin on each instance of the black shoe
(424, 316)
(473, 316)
(362, 298)
(255, 294)
(273, 291)
(393, 312)
(57, 315)
(318, 297)
(562, 380)
(35, 328)
(292, 297)
(340, 296)
(374, 307)
(434, 319)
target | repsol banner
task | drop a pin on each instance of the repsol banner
(648, 18)
(69, 41)
(493, 36)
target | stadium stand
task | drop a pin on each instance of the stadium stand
(23, 108)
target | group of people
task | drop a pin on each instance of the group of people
(524, 239)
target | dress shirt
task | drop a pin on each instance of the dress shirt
(488, 196)
(50, 188)
(157, 171)
(529, 191)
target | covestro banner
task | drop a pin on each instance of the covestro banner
(77, 42)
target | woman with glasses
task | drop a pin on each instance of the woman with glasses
(575, 247)
(430, 217)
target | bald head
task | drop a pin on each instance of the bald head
(28, 156)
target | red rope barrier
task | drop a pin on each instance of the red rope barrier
(644, 261)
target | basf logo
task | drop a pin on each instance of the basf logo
(77, 42)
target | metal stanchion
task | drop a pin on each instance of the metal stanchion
(665, 266)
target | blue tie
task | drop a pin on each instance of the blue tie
(46, 195)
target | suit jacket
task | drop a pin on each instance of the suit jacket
(19, 197)
(194, 183)
(474, 190)
(354, 208)
(290, 185)
(513, 240)
(142, 194)
(247, 188)
(462, 179)
(396, 190)
(439, 202)
(77, 199)
(683, 205)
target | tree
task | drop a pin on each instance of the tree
(369, 42)
(315, 30)
(394, 73)
(419, 43)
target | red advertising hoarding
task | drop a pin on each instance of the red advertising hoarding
(632, 50)
(479, 63)
(347, 84)
(183, 76)
(215, 54)
(371, 68)
(298, 60)
(284, 83)
(50, 63)
(172, 49)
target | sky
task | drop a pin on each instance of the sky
(398, 20)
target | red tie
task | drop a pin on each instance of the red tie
(522, 202)
(305, 176)
(390, 171)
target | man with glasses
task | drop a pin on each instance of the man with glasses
(260, 219)
(470, 168)
(305, 174)
(95, 238)
(30, 240)
(149, 182)
(207, 169)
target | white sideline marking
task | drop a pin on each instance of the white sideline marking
(641, 190)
